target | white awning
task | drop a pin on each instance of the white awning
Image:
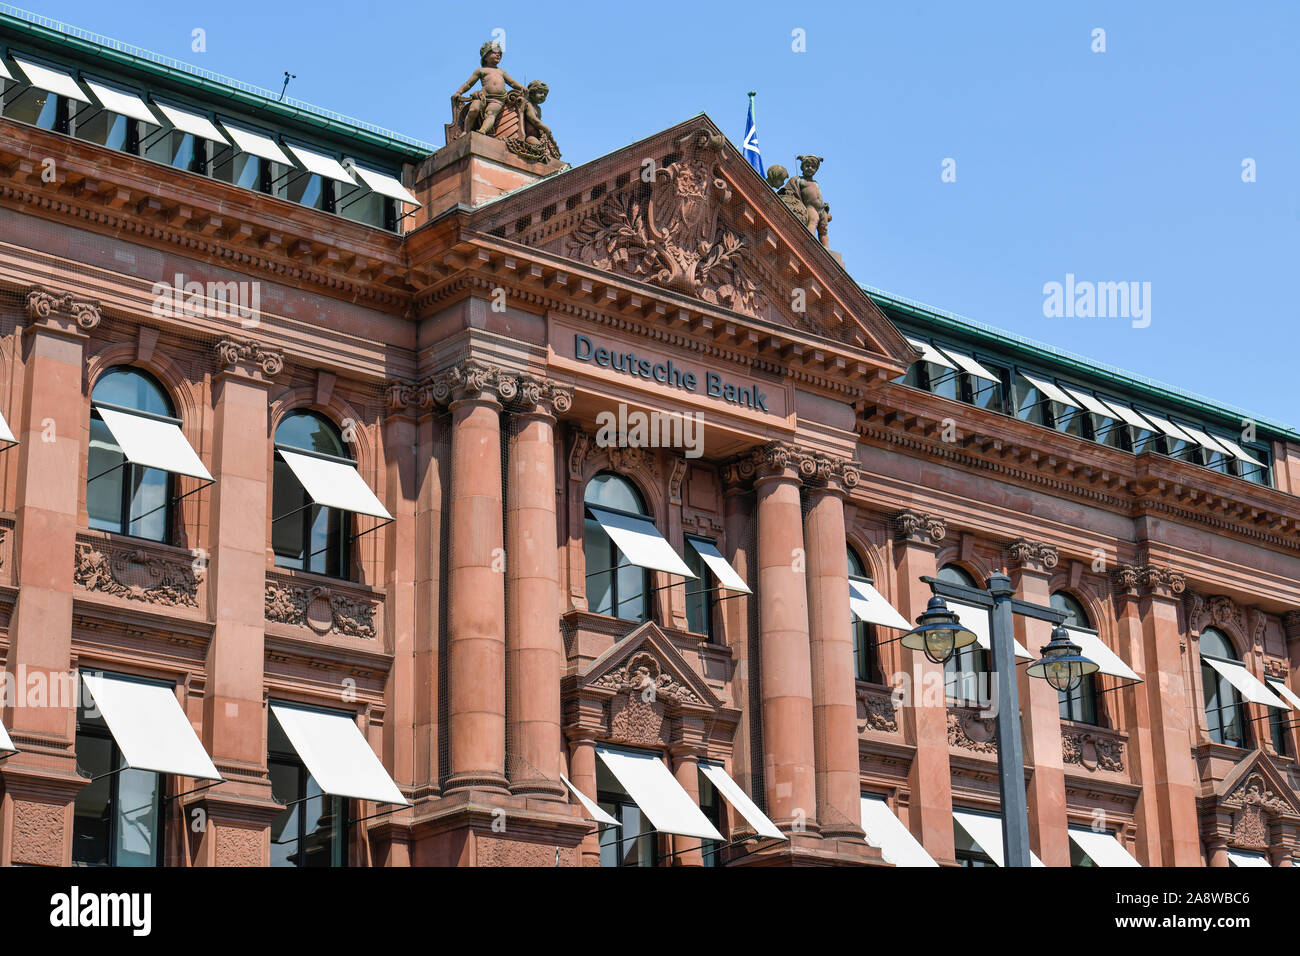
(1089, 403)
(1102, 848)
(6, 433)
(931, 354)
(153, 443)
(868, 604)
(1048, 390)
(886, 832)
(4, 71)
(1246, 684)
(1238, 452)
(727, 577)
(1286, 693)
(1205, 440)
(979, 620)
(320, 164)
(667, 806)
(1129, 416)
(149, 727)
(6, 745)
(193, 123)
(968, 365)
(737, 797)
(640, 542)
(52, 81)
(384, 184)
(122, 102)
(1107, 661)
(986, 832)
(334, 484)
(1237, 858)
(1169, 428)
(336, 754)
(593, 809)
(258, 144)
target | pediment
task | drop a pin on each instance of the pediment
(1257, 784)
(683, 213)
(646, 663)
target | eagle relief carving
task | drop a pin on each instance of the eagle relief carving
(667, 231)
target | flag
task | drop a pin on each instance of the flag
(750, 146)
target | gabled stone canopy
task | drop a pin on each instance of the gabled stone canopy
(646, 663)
(682, 211)
(1253, 808)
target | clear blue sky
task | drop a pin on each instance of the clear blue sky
(1116, 166)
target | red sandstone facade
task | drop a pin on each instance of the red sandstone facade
(476, 668)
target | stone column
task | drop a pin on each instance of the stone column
(1136, 702)
(738, 520)
(1174, 780)
(582, 771)
(476, 616)
(835, 705)
(1031, 566)
(686, 768)
(534, 649)
(785, 658)
(925, 710)
(240, 811)
(40, 782)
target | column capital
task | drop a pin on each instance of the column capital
(248, 358)
(917, 527)
(782, 459)
(476, 380)
(61, 312)
(1034, 556)
(1148, 580)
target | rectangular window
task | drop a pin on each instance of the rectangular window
(312, 830)
(701, 595)
(711, 804)
(633, 842)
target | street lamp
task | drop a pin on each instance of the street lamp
(940, 635)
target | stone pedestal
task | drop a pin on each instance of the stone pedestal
(469, 171)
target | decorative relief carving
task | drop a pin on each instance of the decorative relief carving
(1092, 751)
(880, 713)
(239, 846)
(644, 677)
(1033, 555)
(1148, 579)
(138, 575)
(1254, 804)
(635, 720)
(966, 729)
(475, 379)
(578, 451)
(320, 608)
(920, 528)
(232, 353)
(1217, 611)
(669, 233)
(674, 481)
(778, 457)
(42, 304)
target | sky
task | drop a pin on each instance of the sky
(974, 153)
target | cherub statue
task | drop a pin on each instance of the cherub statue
(537, 133)
(803, 195)
(485, 105)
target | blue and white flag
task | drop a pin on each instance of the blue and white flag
(750, 146)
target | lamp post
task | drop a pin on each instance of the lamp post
(939, 635)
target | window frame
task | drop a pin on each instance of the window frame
(1237, 705)
(614, 555)
(1087, 696)
(709, 589)
(864, 636)
(341, 827)
(308, 511)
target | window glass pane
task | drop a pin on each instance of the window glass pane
(285, 788)
(308, 189)
(631, 596)
(104, 479)
(598, 549)
(287, 530)
(149, 494)
(139, 803)
(310, 433)
(33, 106)
(611, 491)
(240, 169)
(92, 824)
(105, 129)
(326, 543)
(943, 381)
(699, 599)
(1215, 644)
(131, 389)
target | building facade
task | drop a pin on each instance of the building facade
(374, 504)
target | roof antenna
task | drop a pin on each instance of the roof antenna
(287, 77)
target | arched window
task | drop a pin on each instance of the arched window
(307, 536)
(121, 496)
(1224, 714)
(1081, 703)
(866, 659)
(966, 673)
(614, 586)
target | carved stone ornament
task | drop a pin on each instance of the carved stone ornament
(1254, 805)
(503, 109)
(43, 304)
(1149, 579)
(920, 528)
(778, 457)
(138, 576)
(667, 232)
(1033, 555)
(1092, 751)
(969, 731)
(1217, 611)
(880, 713)
(643, 676)
(473, 378)
(803, 196)
(323, 610)
(232, 353)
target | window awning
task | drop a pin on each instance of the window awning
(1237, 858)
(640, 541)
(1102, 848)
(660, 797)
(931, 354)
(384, 184)
(149, 727)
(258, 144)
(1238, 452)
(886, 832)
(1049, 390)
(977, 619)
(868, 604)
(52, 81)
(1129, 416)
(193, 123)
(1205, 440)
(337, 755)
(121, 102)
(1246, 684)
(1286, 693)
(4, 71)
(737, 797)
(727, 577)
(6, 745)
(334, 484)
(1088, 403)
(1095, 649)
(320, 164)
(593, 809)
(6, 433)
(968, 365)
(1169, 428)
(153, 443)
(986, 832)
